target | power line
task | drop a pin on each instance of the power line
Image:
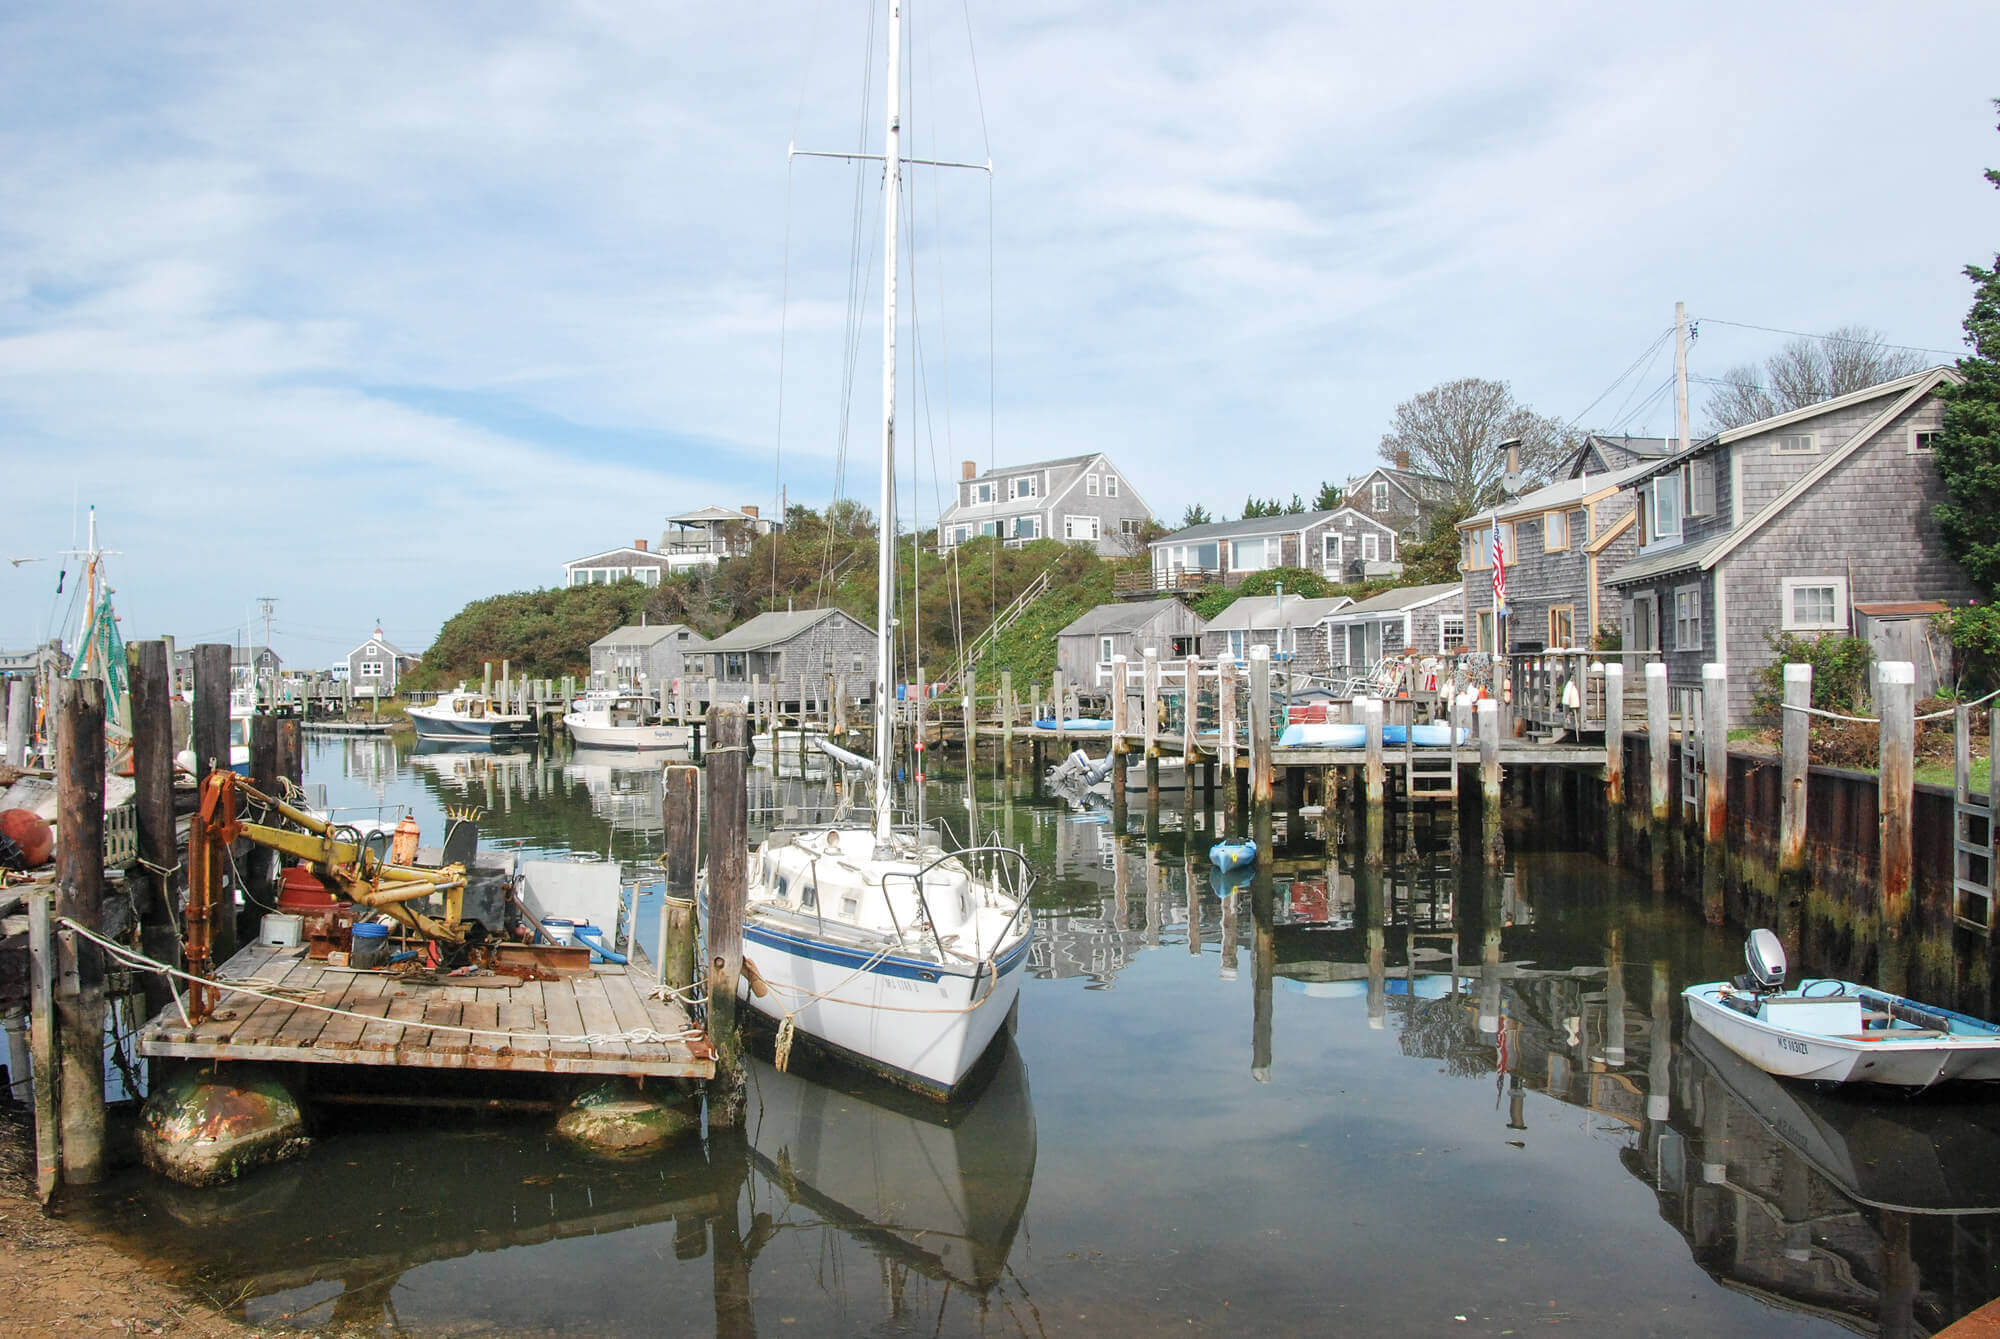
(1836, 339)
(1649, 351)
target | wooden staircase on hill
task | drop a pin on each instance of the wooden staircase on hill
(1033, 591)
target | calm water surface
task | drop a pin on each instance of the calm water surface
(1415, 1102)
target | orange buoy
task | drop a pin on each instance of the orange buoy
(31, 833)
(403, 847)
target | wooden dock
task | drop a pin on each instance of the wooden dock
(573, 1025)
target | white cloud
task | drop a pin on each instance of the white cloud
(387, 306)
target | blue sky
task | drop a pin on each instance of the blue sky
(377, 308)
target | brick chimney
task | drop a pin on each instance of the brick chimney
(968, 469)
(1402, 460)
(639, 544)
(750, 510)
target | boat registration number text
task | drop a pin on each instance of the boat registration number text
(1795, 1047)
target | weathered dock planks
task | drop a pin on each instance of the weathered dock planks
(576, 1025)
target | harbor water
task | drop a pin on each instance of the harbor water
(1315, 1100)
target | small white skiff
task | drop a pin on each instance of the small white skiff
(1838, 1031)
(622, 721)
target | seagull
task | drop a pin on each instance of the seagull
(18, 561)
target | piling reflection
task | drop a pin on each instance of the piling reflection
(892, 1203)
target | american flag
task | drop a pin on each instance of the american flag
(1499, 569)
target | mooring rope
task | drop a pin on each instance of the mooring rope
(1877, 720)
(643, 1036)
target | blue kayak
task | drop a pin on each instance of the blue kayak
(1227, 856)
(1073, 723)
(1351, 735)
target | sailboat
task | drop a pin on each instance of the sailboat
(876, 942)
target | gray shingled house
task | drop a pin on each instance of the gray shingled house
(1291, 628)
(1421, 618)
(1084, 649)
(1397, 496)
(647, 656)
(1786, 525)
(796, 651)
(375, 666)
(1561, 544)
(1079, 500)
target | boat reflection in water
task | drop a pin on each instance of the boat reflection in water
(939, 1188)
(346, 1237)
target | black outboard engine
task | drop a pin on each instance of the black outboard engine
(1765, 957)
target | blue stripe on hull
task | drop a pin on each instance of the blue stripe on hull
(814, 950)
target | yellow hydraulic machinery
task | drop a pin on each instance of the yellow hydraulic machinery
(335, 852)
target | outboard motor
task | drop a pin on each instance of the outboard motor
(1765, 957)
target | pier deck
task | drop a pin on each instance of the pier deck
(412, 1024)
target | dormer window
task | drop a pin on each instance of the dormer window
(1024, 486)
(982, 492)
(1666, 507)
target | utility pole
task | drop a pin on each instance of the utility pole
(265, 604)
(1681, 369)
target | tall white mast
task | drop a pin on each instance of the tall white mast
(885, 567)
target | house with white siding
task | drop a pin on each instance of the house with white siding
(1786, 525)
(1078, 499)
(1343, 545)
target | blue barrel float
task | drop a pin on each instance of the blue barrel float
(370, 944)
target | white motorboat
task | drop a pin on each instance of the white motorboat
(463, 715)
(1839, 1031)
(622, 721)
(878, 944)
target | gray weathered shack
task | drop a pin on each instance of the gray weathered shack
(796, 651)
(1561, 544)
(1288, 624)
(1410, 618)
(1085, 648)
(647, 656)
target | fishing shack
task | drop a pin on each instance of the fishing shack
(1085, 649)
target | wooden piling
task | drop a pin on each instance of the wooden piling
(681, 787)
(1658, 742)
(1493, 845)
(1261, 762)
(1225, 744)
(80, 1004)
(1190, 707)
(18, 712)
(728, 892)
(42, 1051)
(1059, 704)
(1118, 727)
(1150, 687)
(970, 703)
(1797, 727)
(153, 806)
(1614, 733)
(1006, 720)
(1896, 704)
(1715, 755)
(1374, 773)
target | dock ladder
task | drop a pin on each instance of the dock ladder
(1973, 830)
(1690, 704)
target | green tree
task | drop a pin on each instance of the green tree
(1967, 453)
(1196, 514)
(1328, 498)
(1434, 557)
(1254, 506)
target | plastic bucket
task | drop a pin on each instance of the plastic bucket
(369, 945)
(559, 929)
(281, 930)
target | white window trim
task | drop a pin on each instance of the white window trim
(1104, 650)
(1329, 551)
(1072, 523)
(1916, 436)
(1111, 485)
(1695, 643)
(1659, 536)
(1793, 584)
(1811, 447)
(1371, 541)
(1445, 621)
(1651, 600)
(1378, 495)
(1090, 484)
(371, 669)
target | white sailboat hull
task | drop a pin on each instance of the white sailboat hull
(904, 1018)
